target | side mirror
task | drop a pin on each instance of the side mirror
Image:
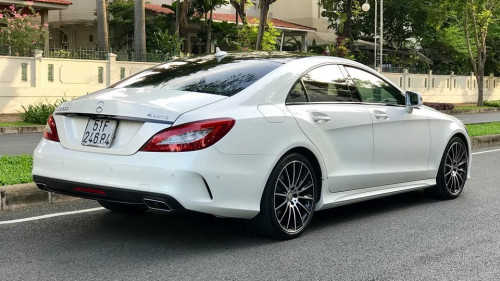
(413, 100)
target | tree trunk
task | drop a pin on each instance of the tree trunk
(264, 9)
(102, 25)
(239, 7)
(347, 30)
(183, 23)
(208, 48)
(480, 82)
(139, 29)
(480, 89)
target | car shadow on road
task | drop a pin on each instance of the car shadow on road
(372, 208)
(193, 230)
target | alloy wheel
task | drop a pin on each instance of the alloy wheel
(455, 168)
(294, 197)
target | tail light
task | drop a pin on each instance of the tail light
(50, 132)
(190, 136)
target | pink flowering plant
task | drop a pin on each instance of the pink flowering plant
(20, 31)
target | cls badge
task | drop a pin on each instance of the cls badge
(100, 107)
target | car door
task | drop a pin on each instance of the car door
(332, 117)
(401, 139)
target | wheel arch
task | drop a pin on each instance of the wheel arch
(313, 159)
(463, 137)
(468, 146)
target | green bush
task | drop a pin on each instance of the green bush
(440, 105)
(493, 103)
(39, 113)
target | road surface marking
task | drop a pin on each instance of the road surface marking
(488, 151)
(51, 216)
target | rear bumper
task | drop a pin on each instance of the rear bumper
(102, 193)
(205, 181)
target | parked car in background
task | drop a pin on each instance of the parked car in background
(270, 137)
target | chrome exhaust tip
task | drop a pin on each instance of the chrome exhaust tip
(157, 205)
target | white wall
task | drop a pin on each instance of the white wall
(446, 88)
(72, 78)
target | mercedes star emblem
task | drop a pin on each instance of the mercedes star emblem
(100, 107)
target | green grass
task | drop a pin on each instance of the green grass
(16, 124)
(15, 169)
(484, 129)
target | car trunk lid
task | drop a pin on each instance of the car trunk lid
(135, 115)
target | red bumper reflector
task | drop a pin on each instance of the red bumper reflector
(90, 190)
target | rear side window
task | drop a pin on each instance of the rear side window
(297, 94)
(327, 84)
(224, 78)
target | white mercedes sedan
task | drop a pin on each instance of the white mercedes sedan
(270, 137)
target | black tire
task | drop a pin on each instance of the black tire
(452, 173)
(123, 208)
(289, 198)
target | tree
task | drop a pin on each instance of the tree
(342, 16)
(248, 37)
(404, 23)
(18, 33)
(475, 17)
(264, 10)
(140, 28)
(205, 9)
(102, 25)
(121, 25)
(240, 7)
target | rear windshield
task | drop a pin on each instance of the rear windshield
(226, 77)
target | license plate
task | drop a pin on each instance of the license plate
(99, 132)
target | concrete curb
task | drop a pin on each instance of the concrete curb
(28, 195)
(485, 141)
(22, 130)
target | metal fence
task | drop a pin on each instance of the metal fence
(146, 57)
(17, 52)
(87, 54)
(83, 54)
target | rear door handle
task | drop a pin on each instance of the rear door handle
(319, 117)
(380, 114)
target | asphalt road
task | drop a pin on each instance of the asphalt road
(403, 237)
(15, 144)
(479, 118)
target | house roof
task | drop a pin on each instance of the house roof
(38, 4)
(158, 9)
(280, 24)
